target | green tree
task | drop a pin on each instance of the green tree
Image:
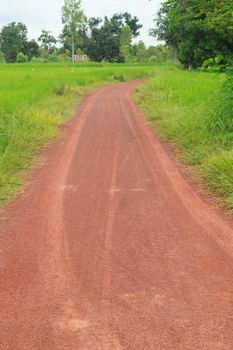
(32, 49)
(81, 38)
(13, 40)
(2, 58)
(196, 29)
(119, 20)
(104, 41)
(47, 40)
(125, 42)
(159, 53)
(73, 19)
(140, 51)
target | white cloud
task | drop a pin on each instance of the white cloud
(46, 14)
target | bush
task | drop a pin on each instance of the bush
(217, 64)
(219, 59)
(2, 58)
(37, 60)
(21, 58)
(65, 57)
(230, 62)
(54, 58)
(208, 63)
(60, 90)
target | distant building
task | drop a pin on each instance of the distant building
(79, 58)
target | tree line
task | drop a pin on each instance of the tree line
(197, 31)
(100, 39)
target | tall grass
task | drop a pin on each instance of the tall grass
(217, 171)
(35, 99)
(194, 111)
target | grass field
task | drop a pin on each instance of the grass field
(35, 99)
(191, 109)
(186, 107)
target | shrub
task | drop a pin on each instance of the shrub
(208, 63)
(21, 58)
(2, 58)
(37, 60)
(54, 58)
(217, 64)
(65, 57)
(219, 59)
(60, 90)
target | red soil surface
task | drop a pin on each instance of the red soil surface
(109, 247)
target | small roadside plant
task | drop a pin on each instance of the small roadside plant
(216, 64)
(60, 90)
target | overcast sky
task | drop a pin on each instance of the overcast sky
(46, 14)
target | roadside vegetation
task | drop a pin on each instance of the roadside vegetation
(36, 99)
(196, 30)
(193, 109)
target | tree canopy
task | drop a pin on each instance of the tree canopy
(125, 43)
(73, 19)
(105, 36)
(13, 40)
(197, 29)
(99, 39)
(47, 40)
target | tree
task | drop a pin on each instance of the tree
(47, 40)
(125, 43)
(103, 43)
(2, 58)
(13, 40)
(105, 36)
(81, 38)
(73, 19)
(32, 49)
(196, 29)
(159, 53)
(140, 51)
(119, 20)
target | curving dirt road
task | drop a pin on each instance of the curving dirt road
(110, 248)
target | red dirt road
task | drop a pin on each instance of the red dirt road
(110, 248)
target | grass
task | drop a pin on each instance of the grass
(188, 108)
(36, 99)
(194, 112)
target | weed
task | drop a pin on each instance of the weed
(60, 90)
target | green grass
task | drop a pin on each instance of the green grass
(35, 99)
(189, 109)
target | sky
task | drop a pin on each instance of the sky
(46, 14)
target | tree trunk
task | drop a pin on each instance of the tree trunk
(73, 49)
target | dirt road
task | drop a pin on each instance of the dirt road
(110, 248)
